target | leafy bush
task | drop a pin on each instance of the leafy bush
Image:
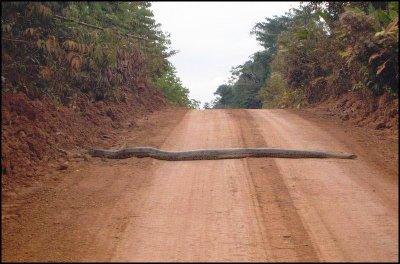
(276, 88)
(172, 88)
(319, 50)
(60, 49)
(277, 95)
(371, 42)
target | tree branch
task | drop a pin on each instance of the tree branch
(16, 40)
(97, 27)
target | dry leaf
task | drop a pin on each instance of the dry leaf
(381, 67)
(46, 73)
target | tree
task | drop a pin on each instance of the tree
(96, 48)
(173, 89)
(267, 32)
(247, 79)
(354, 47)
(194, 104)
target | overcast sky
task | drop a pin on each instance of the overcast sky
(211, 38)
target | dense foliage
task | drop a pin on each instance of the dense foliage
(318, 50)
(61, 49)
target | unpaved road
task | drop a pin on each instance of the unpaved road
(224, 210)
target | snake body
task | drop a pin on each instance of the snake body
(212, 154)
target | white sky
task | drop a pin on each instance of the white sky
(211, 38)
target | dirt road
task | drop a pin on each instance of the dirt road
(223, 210)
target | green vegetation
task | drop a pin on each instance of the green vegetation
(318, 50)
(246, 81)
(61, 49)
(173, 89)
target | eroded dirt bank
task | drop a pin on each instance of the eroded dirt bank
(78, 213)
(39, 136)
(222, 210)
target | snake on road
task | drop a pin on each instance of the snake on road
(213, 154)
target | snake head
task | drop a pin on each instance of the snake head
(352, 156)
(93, 152)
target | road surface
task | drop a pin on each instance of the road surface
(249, 209)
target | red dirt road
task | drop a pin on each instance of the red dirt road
(221, 210)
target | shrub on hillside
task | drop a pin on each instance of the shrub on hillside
(61, 49)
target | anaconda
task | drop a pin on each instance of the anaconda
(213, 154)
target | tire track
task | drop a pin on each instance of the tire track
(284, 228)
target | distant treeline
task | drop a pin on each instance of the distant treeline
(316, 51)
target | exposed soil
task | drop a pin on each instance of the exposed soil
(380, 146)
(364, 110)
(38, 136)
(217, 210)
(362, 117)
(80, 212)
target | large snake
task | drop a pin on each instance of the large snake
(212, 154)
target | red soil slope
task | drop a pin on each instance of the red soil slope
(35, 133)
(379, 113)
